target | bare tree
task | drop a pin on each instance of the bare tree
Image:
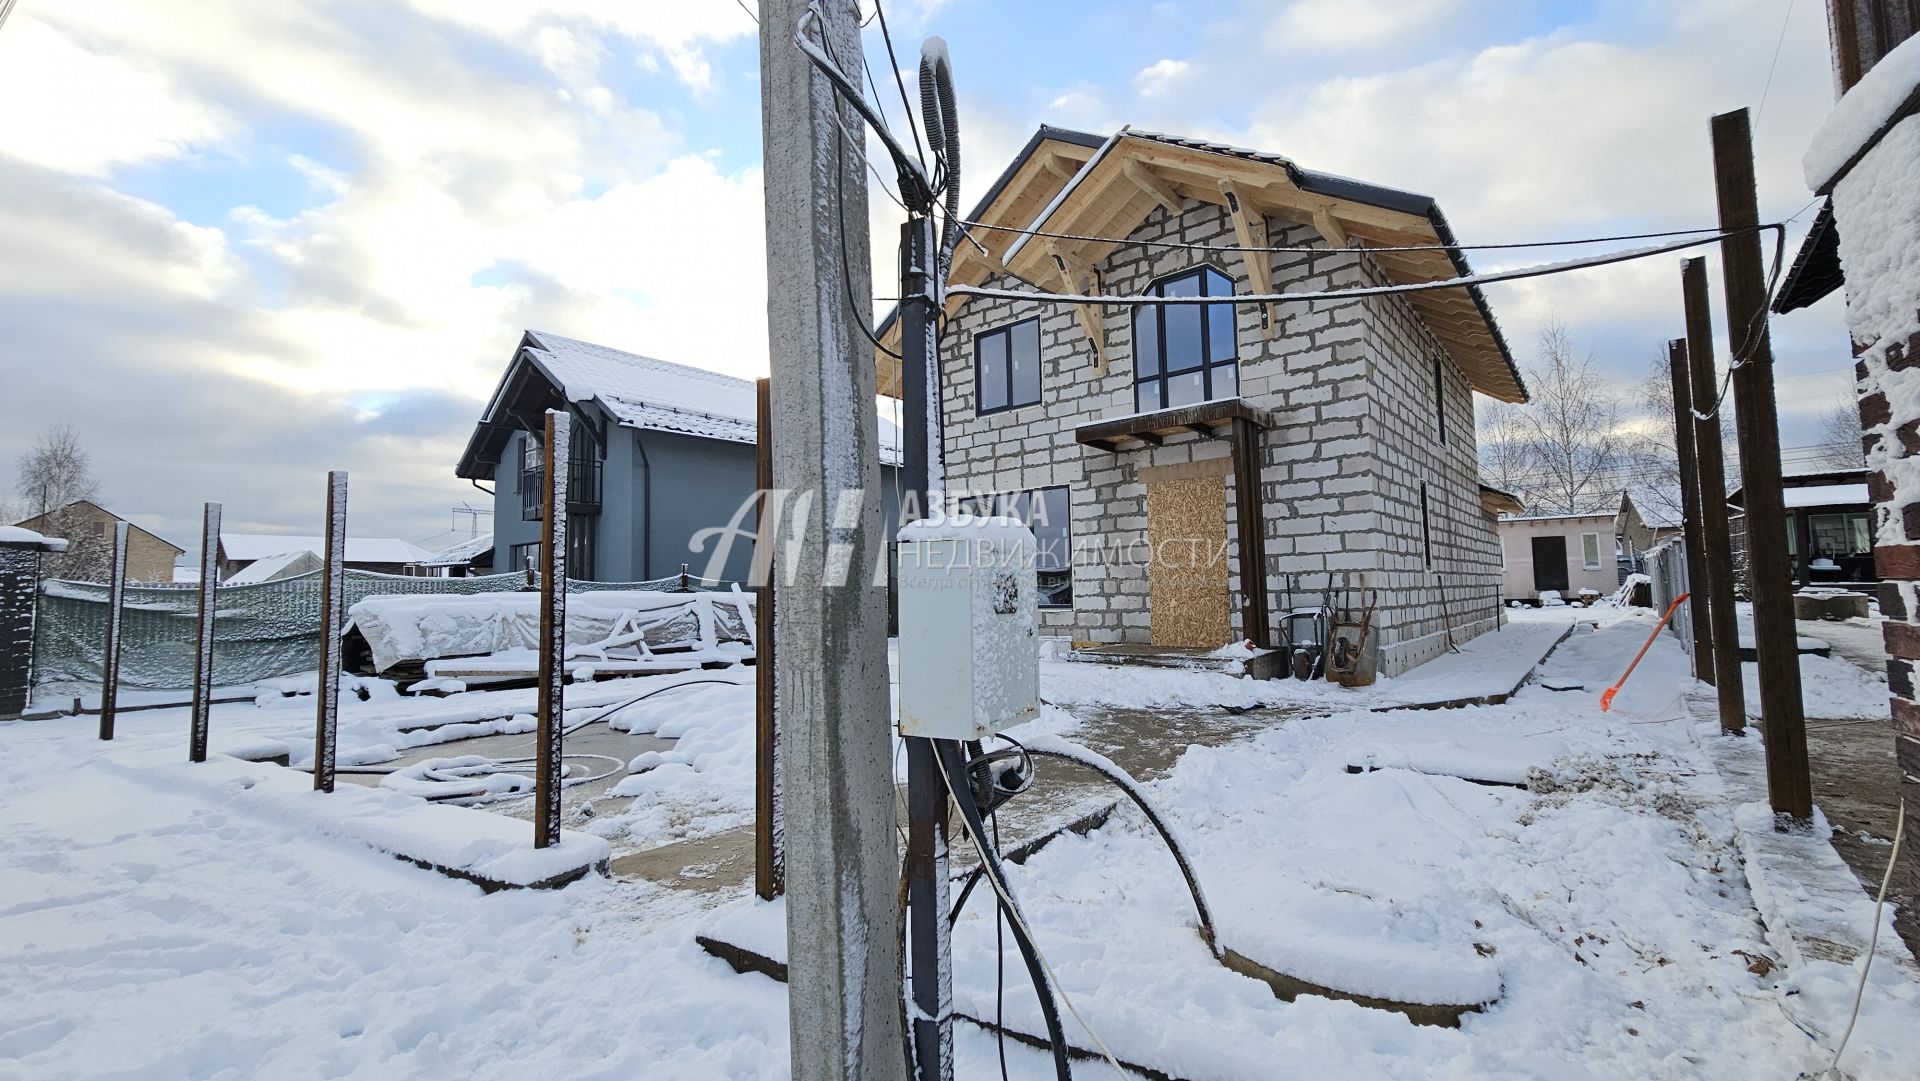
(1572, 428)
(1505, 455)
(1840, 439)
(54, 475)
(56, 472)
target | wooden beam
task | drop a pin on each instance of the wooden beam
(1076, 277)
(1204, 431)
(1144, 179)
(1061, 167)
(1330, 228)
(1150, 439)
(1250, 227)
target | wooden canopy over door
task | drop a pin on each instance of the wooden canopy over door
(1238, 422)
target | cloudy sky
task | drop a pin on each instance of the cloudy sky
(247, 242)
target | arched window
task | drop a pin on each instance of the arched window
(1185, 353)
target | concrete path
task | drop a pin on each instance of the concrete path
(1144, 743)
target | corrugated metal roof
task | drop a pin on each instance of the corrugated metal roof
(1816, 269)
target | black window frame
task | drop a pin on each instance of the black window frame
(1207, 366)
(522, 556)
(1440, 395)
(1006, 331)
(1000, 503)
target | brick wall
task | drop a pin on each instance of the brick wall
(1878, 213)
(1348, 389)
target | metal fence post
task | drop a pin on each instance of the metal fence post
(553, 630)
(110, 655)
(326, 723)
(203, 632)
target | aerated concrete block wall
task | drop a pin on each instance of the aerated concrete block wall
(1347, 391)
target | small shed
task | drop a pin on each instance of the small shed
(20, 552)
(1564, 554)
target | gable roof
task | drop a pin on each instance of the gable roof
(254, 546)
(275, 567)
(551, 370)
(1102, 194)
(1656, 507)
(30, 523)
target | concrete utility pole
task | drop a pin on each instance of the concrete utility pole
(1697, 610)
(1776, 640)
(550, 776)
(202, 711)
(1710, 472)
(830, 631)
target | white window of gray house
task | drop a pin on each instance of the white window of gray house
(1006, 367)
(1048, 512)
(1184, 354)
(1590, 550)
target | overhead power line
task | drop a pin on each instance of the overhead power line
(1322, 250)
(1464, 281)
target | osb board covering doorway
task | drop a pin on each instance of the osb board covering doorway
(1187, 572)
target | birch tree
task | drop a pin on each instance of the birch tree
(1572, 429)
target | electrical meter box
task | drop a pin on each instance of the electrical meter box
(969, 646)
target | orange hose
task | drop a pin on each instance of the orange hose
(1606, 697)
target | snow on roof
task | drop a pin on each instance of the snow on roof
(1824, 495)
(1861, 114)
(1555, 517)
(275, 567)
(1659, 509)
(252, 546)
(462, 553)
(657, 395)
(13, 534)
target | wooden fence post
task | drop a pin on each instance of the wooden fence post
(1710, 473)
(767, 878)
(1698, 614)
(110, 654)
(553, 629)
(1775, 638)
(203, 632)
(326, 719)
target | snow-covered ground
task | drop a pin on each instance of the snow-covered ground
(150, 930)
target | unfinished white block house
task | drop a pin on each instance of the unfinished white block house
(1193, 472)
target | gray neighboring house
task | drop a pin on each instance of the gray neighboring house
(1184, 470)
(660, 452)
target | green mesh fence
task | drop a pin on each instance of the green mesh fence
(260, 631)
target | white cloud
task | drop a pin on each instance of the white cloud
(1353, 24)
(1157, 78)
(80, 110)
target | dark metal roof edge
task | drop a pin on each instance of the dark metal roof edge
(1816, 271)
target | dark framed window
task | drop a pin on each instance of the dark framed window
(1049, 513)
(1184, 354)
(1006, 367)
(584, 471)
(522, 556)
(1426, 526)
(1440, 395)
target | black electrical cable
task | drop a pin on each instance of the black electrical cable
(954, 772)
(840, 208)
(999, 969)
(906, 105)
(1226, 249)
